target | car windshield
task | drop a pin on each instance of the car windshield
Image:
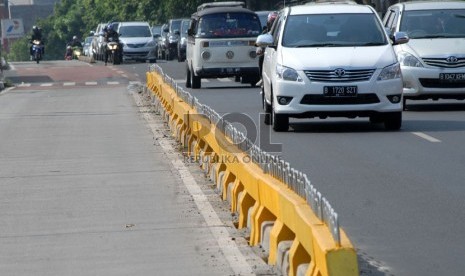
(175, 25)
(156, 30)
(434, 23)
(184, 27)
(333, 30)
(229, 25)
(135, 31)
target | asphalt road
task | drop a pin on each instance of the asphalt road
(88, 185)
(400, 195)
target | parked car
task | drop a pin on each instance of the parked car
(86, 46)
(221, 43)
(433, 61)
(172, 38)
(138, 41)
(182, 41)
(331, 60)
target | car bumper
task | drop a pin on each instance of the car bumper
(424, 83)
(139, 53)
(308, 100)
(224, 72)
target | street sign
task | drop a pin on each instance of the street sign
(12, 28)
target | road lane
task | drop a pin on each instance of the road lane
(399, 196)
(86, 189)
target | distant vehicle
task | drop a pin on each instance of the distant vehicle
(86, 45)
(331, 60)
(433, 61)
(161, 41)
(138, 41)
(221, 43)
(172, 38)
(182, 42)
(97, 45)
(263, 16)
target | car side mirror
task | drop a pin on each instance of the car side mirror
(92, 33)
(190, 32)
(156, 35)
(166, 29)
(400, 38)
(264, 40)
(177, 32)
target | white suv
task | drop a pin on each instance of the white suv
(331, 60)
(433, 61)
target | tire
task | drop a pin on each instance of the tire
(280, 122)
(404, 103)
(393, 121)
(188, 77)
(267, 108)
(196, 81)
(37, 57)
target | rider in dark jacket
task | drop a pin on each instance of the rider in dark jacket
(36, 35)
(75, 42)
(110, 34)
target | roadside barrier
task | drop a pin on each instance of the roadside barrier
(284, 212)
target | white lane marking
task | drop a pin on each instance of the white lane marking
(112, 82)
(69, 83)
(24, 85)
(179, 80)
(231, 251)
(124, 75)
(135, 82)
(46, 84)
(426, 137)
(224, 80)
(119, 71)
(91, 83)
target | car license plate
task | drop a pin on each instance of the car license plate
(452, 76)
(340, 91)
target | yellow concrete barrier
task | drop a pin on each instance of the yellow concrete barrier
(255, 194)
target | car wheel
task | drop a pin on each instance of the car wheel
(188, 77)
(280, 122)
(393, 121)
(195, 80)
(267, 108)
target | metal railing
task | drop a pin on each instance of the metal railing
(270, 164)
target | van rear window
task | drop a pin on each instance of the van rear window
(229, 25)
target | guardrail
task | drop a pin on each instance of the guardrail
(257, 189)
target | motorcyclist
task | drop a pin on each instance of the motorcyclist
(36, 35)
(75, 42)
(110, 34)
(260, 51)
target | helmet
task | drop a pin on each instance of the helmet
(271, 17)
(34, 27)
(74, 37)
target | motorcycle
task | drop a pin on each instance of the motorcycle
(77, 52)
(37, 50)
(113, 51)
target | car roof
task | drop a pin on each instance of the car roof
(221, 10)
(134, 23)
(330, 7)
(433, 5)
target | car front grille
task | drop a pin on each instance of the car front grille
(331, 76)
(312, 99)
(140, 45)
(437, 83)
(443, 63)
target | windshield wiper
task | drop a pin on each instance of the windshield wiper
(317, 45)
(372, 44)
(433, 36)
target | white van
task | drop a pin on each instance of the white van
(221, 43)
(331, 59)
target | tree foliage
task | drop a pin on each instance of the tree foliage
(79, 17)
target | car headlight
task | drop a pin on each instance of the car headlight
(183, 41)
(151, 43)
(407, 59)
(287, 73)
(390, 72)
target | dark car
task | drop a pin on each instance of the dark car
(182, 42)
(171, 41)
(161, 41)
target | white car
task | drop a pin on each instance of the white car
(138, 41)
(331, 60)
(433, 61)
